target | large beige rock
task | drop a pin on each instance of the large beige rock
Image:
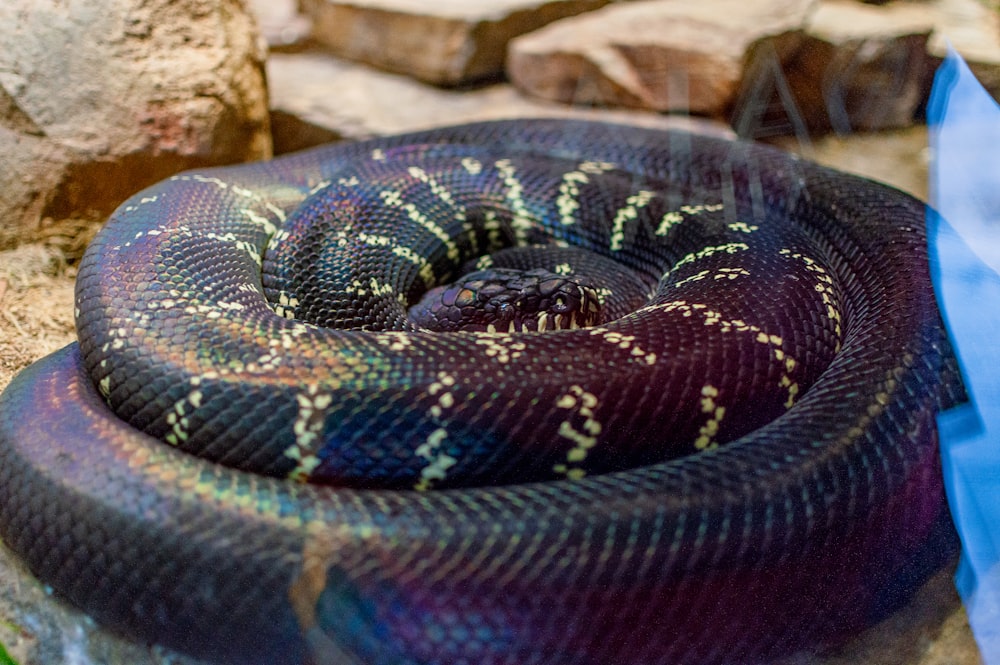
(317, 98)
(447, 42)
(280, 23)
(862, 67)
(98, 100)
(665, 55)
(972, 27)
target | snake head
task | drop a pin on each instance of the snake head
(510, 300)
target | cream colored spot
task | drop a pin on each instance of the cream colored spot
(697, 209)
(500, 346)
(473, 166)
(177, 417)
(407, 253)
(742, 227)
(442, 388)
(234, 306)
(439, 461)
(731, 273)
(596, 167)
(625, 343)
(697, 277)
(396, 341)
(286, 305)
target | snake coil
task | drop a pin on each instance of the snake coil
(697, 426)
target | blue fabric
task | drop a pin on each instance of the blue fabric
(964, 243)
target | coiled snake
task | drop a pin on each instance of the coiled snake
(579, 394)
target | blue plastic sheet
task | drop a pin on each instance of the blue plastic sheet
(964, 244)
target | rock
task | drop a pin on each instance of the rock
(39, 630)
(280, 23)
(973, 29)
(316, 98)
(664, 55)
(861, 68)
(864, 68)
(100, 100)
(448, 42)
(931, 629)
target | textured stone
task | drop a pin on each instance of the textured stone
(448, 42)
(280, 23)
(665, 55)
(861, 67)
(931, 629)
(98, 100)
(370, 103)
(973, 29)
(36, 629)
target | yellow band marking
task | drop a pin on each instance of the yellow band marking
(628, 213)
(626, 343)
(439, 461)
(742, 227)
(669, 220)
(522, 220)
(437, 188)
(714, 318)
(500, 346)
(569, 189)
(393, 199)
(395, 340)
(708, 431)
(307, 428)
(580, 404)
(675, 217)
(825, 287)
(728, 248)
(426, 269)
(472, 166)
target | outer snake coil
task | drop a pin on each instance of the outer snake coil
(695, 426)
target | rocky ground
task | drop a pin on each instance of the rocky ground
(172, 85)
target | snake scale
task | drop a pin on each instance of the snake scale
(567, 392)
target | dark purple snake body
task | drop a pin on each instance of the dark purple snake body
(697, 424)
